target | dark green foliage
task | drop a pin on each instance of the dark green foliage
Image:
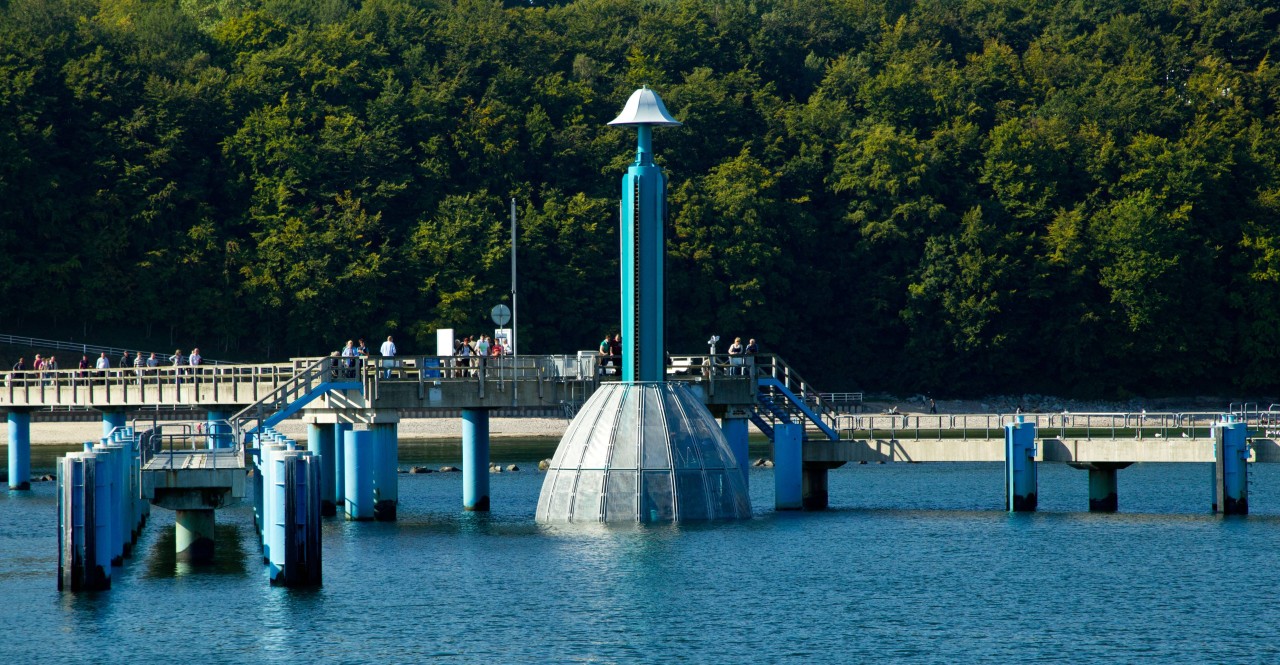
(939, 196)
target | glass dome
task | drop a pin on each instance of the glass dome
(643, 452)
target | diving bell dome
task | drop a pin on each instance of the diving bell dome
(643, 452)
(645, 107)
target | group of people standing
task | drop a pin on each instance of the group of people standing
(356, 354)
(741, 356)
(184, 364)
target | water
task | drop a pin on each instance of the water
(913, 562)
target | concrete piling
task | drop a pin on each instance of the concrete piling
(475, 459)
(386, 477)
(1020, 471)
(788, 466)
(1231, 467)
(19, 450)
(194, 535)
(734, 427)
(358, 460)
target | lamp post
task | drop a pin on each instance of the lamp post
(514, 349)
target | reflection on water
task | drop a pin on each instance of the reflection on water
(229, 555)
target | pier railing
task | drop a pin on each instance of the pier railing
(1087, 426)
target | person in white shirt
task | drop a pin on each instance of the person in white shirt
(388, 350)
(103, 364)
(194, 360)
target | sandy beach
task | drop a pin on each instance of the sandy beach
(410, 429)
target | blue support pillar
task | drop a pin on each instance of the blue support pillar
(788, 466)
(296, 561)
(475, 459)
(1231, 467)
(19, 450)
(112, 420)
(358, 485)
(268, 452)
(320, 443)
(101, 517)
(81, 565)
(217, 429)
(339, 465)
(1020, 471)
(734, 427)
(386, 478)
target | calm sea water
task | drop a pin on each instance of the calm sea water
(913, 562)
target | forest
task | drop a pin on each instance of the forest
(944, 196)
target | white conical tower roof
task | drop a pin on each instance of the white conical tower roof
(645, 107)
(643, 452)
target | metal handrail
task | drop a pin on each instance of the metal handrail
(111, 351)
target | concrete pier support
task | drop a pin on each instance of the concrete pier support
(19, 450)
(1231, 467)
(320, 442)
(475, 459)
(295, 561)
(813, 484)
(386, 471)
(734, 427)
(111, 420)
(1020, 471)
(1103, 497)
(340, 431)
(358, 461)
(194, 535)
(788, 466)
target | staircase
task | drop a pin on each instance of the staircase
(310, 382)
(782, 396)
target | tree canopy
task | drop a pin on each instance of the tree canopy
(929, 195)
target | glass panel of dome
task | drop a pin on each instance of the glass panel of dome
(653, 437)
(586, 501)
(620, 496)
(597, 452)
(684, 447)
(544, 498)
(562, 496)
(627, 435)
(693, 496)
(656, 501)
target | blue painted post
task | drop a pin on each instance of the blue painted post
(19, 450)
(296, 562)
(735, 431)
(1231, 467)
(79, 565)
(788, 466)
(358, 484)
(258, 504)
(475, 459)
(112, 420)
(643, 251)
(320, 443)
(101, 520)
(386, 476)
(111, 460)
(217, 429)
(269, 452)
(1020, 471)
(339, 465)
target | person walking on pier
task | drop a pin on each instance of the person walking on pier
(84, 366)
(176, 361)
(103, 364)
(388, 352)
(125, 361)
(152, 363)
(138, 363)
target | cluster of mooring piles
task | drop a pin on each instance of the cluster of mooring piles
(642, 449)
(100, 510)
(286, 509)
